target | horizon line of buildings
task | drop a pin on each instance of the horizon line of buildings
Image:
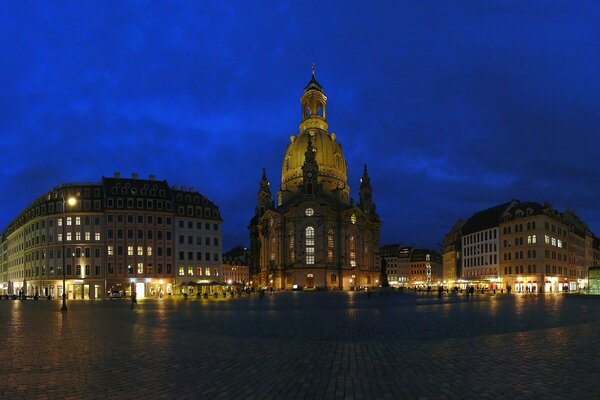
(132, 234)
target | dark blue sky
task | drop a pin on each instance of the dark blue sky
(455, 106)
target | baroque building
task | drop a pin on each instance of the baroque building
(120, 235)
(314, 236)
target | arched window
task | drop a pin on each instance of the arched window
(330, 246)
(273, 245)
(352, 251)
(291, 247)
(309, 242)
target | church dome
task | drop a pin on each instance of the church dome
(328, 154)
(331, 167)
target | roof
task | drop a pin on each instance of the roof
(486, 219)
(313, 84)
(536, 208)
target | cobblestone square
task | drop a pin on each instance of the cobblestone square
(321, 345)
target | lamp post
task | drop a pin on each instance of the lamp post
(71, 201)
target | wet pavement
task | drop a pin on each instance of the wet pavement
(320, 345)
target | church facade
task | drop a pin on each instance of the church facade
(313, 235)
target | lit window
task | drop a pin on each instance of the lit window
(140, 268)
(68, 236)
(352, 251)
(534, 239)
(129, 250)
(559, 243)
(68, 221)
(88, 236)
(191, 271)
(59, 237)
(149, 251)
(181, 271)
(353, 218)
(292, 252)
(77, 221)
(553, 241)
(309, 212)
(97, 236)
(529, 239)
(330, 246)
(59, 222)
(546, 239)
(140, 251)
(77, 236)
(272, 248)
(207, 271)
(111, 251)
(310, 245)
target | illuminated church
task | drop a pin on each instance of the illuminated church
(314, 236)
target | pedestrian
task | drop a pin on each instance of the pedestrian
(133, 299)
(261, 294)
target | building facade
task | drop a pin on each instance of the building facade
(314, 236)
(523, 247)
(409, 266)
(544, 250)
(236, 266)
(452, 254)
(117, 237)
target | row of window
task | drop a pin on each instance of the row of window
(110, 233)
(140, 204)
(80, 271)
(77, 237)
(481, 236)
(140, 267)
(480, 248)
(77, 252)
(198, 240)
(482, 272)
(531, 269)
(481, 260)
(138, 250)
(198, 271)
(190, 256)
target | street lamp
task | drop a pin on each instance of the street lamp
(70, 201)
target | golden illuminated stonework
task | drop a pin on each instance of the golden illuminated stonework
(314, 236)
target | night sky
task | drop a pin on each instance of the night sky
(455, 106)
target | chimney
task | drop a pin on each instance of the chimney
(152, 177)
(117, 175)
(183, 188)
(191, 189)
(134, 175)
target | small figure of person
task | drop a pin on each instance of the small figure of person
(133, 299)
(261, 294)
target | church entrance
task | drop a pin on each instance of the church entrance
(310, 281)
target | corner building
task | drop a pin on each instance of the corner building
(119, 236)
(314, 236)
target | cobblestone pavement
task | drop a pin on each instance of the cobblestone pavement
(304, 346)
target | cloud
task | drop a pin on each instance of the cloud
(455, 106)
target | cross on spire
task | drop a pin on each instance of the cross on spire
(313, 70)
